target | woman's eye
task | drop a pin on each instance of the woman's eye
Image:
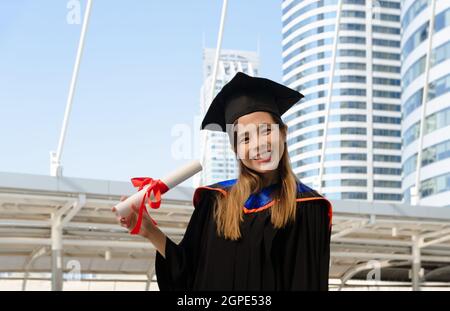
(244, 140)
(265, 130)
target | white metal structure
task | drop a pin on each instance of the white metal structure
(357, 113)
(55, 157)
(426, 101)
(39, 214)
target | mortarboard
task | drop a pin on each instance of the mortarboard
(245, 94)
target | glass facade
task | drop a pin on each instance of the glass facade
(350, 135)
(434, 168)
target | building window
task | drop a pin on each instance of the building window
(388, 30)
(385, 68)
(349, 92)
(386, 145)
(346, 196)
(308, 21)
(387, 158)
(387, 184)
(385, 132)
(414, 10)
(388, 120)
(347, 144)
(346, 170)
(386, 107)
(306, 60)
(309, 173)
(435, 185)
(346, 157)
(385, 42)
(345, 183)
(357, 14)
(307, 72)
(348, 118)
(387, 17)
(347, 131)
(387, 196)
(385, 81)
(387, 171)
(308, 46)
(352, 40)
(348, 104)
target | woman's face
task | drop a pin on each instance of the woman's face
(259, 141)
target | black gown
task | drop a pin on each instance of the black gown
(295, 257)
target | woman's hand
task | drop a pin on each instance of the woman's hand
(147, 226)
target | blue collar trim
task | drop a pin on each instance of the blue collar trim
(262, 198)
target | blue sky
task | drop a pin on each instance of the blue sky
(140, 74)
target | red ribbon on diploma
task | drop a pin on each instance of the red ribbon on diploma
(157, 187)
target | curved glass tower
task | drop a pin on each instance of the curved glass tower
(425, 51)
(358, 111)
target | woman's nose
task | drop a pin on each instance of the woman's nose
(258, 150)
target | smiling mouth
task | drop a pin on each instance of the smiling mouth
(263, 158)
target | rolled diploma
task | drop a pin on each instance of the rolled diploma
(175, 178)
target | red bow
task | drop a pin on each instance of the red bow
(157, 187)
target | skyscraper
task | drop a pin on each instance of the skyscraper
(217, 157)
(358, 111)
(425, 54)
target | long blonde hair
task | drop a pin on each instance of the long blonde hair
(228, 211)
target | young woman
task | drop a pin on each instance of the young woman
(264, 230)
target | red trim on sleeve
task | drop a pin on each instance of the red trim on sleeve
(199, 190)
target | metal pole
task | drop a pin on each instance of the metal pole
(369, 94)
(56, 168)
(415, 195)
(416, 263)
(57, 269)
(216, 65)
(150, 273)
(218, 48)
(329, 95)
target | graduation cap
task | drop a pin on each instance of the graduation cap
(245, 94)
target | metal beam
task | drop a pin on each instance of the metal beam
(365, 266)
(126, 244)
(25, 223)
(366, 255)
(33, 256)
(81, 225)
(77, 206)
(365, 241)
(435, 233)
(65, 208)
(354, 227)
(436, 241)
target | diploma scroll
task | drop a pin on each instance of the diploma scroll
(150, 189)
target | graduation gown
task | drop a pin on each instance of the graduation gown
(295, 257)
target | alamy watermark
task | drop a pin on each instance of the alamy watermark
(73, 16)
